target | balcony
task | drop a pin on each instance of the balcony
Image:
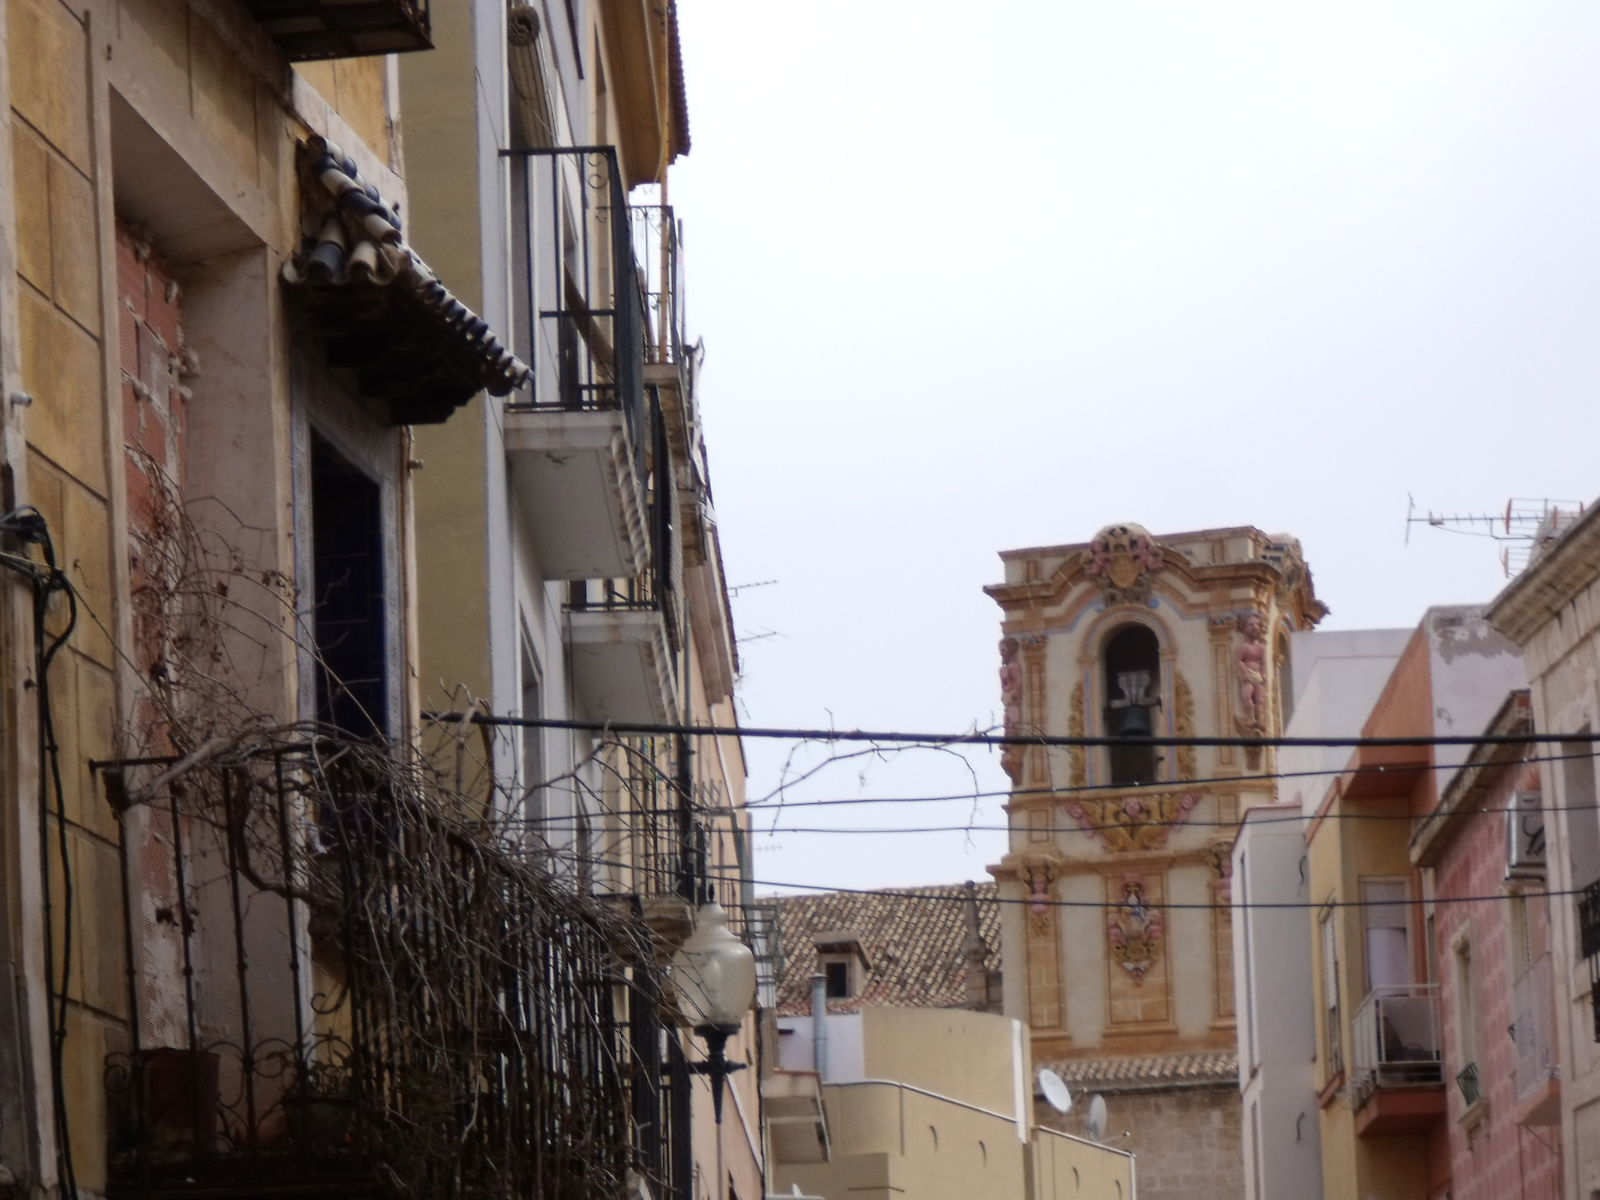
(1397, 1080)
(339, 990)
(578, 444)
(318, 29)
(796, 1117)
(622, 656)
(1534, 1031)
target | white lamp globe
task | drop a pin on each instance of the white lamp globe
(714, 973)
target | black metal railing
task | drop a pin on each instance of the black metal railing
(1467, 1081)
(578, 304)
(656, 241)
(655, 588)
(334, 981)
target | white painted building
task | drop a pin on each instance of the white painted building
(1334, 680)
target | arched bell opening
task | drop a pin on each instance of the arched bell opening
(1131, 666)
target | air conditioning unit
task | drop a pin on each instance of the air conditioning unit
(1525, 841)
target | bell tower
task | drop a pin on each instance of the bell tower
(1119, 951)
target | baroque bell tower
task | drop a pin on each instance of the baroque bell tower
(1118, 952)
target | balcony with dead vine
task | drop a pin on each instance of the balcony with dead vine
(343, 984)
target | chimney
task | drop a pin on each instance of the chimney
(974, 950)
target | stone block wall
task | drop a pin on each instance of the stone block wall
(1186, 1143)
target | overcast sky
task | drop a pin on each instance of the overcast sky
(975, 277)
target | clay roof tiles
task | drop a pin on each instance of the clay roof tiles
(913, 939)
(1149, 1072)
(425, 351)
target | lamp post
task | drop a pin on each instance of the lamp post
(714, 975)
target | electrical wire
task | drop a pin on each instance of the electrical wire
(29, 526)
(1090, 791)
(943, 740)
(740, 879)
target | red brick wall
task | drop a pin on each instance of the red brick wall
(1497, 1158)
(150, 332)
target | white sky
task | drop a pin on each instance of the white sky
(975, 277)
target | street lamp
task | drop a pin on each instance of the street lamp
(714, 975)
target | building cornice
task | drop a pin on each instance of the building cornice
(1432, 834)
(1551, 582)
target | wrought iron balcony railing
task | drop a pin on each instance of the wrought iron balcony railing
(656, 241)
(336, 982)
(658, 587)
(577, 299)
(1396, 1032)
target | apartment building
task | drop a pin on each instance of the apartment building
(253, 940)
(569, 566)
(1550, 611)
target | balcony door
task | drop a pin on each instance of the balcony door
(1386, 933)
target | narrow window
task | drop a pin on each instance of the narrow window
(1386, 929)
(535, 807)
(1583, 820)
(1466, 1005)
(347, 591)
(1132, 687)
(1331, 1033)
(837, 977)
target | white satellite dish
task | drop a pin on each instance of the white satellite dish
(1056, 1093)
(1095, 1123)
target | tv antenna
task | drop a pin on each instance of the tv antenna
(1095, 1123)
(1056, 1093)
(1525, 526)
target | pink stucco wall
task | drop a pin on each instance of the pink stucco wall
(1497, 1158)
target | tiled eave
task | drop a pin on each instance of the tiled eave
(1150, 1072)
(380, 312)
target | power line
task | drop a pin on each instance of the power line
(661, 729)
(1032, 903)
(1093, 791)
(1175, 785)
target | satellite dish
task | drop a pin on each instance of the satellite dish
(1056, 1093)
(1095, 1123)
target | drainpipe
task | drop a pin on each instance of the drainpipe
(819, 1025)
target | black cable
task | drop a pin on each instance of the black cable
(941, 740)
(29, 525)
(1090, 790)
(1175, 785)
(739, 879)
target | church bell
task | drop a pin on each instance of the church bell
(1133, 721)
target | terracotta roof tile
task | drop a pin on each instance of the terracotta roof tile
(1150, 1072)
(912, 937)
(363, 280)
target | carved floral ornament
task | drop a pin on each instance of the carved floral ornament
(1138, 822)
(1134, 930)
(1121, 559)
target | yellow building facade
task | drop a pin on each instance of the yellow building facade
(251, 939)
(164, 136)
(570, 572)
